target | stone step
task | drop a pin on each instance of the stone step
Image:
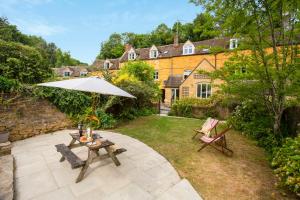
(181, 191)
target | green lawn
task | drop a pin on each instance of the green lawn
(246, 175)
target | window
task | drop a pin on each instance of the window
(186, 73)
(66, 74)
(185, 91)
(131, 54)
(188, 48)
(174, 94)
(156, 75)
(106, 65)
(83, 73)
(241, 70)
(233, 43)
(203, 90)
(153, 54)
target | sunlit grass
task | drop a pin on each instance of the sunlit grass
(246, 175)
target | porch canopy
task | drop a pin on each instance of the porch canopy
(89, 84)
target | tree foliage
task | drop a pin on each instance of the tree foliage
(203, 27)
(269, 72)
(23, 63)
(51, 55)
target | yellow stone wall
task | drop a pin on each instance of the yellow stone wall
(177, 66)
(191, 82)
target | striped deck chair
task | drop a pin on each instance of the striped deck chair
(207, 127)
(218, 142)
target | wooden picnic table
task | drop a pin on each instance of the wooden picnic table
(93, 152)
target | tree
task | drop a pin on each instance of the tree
(162, 35)
(22, 63)
(204, 27)
(113, 48)
(269, 29)
(138, 69)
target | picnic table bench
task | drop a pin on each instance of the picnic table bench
(93, 152)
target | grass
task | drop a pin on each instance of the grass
(245, 175)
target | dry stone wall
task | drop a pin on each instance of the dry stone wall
(26, 117)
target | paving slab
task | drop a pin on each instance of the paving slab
(143, 174)
(182, 190)
(6, 177)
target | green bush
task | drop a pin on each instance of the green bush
(22, 63)
(97, 119)
(137, 79)
(68, 101)
(183, 107)
(287, 164)
(253, 120)
(106, 120)
(9, 85)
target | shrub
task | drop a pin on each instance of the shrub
(97, 119)
(9, 85)
(22, 63)
(68, 101)
(137, 79)
(254, 121)
(287, 164)
(184, 107)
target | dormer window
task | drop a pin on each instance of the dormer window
(153, 52)
(188, 48)
(233, 43)
(106, 65)
(131, 54)
(83, 73)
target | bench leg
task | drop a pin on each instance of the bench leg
(86, 166)
(112, 156)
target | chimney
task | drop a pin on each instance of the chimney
(127, 47)
(176, 40)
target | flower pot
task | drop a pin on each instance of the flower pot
(4, 137)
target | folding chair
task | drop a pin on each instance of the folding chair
(218, 142)
(207, 127)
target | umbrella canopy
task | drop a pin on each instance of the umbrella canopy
(89, 84)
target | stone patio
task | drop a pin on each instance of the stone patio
(143, 174)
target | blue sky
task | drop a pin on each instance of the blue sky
(79, 26)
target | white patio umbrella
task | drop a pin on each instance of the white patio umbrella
(89, 84)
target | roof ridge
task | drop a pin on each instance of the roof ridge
(181, 43)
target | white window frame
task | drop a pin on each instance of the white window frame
(153, 53)
(176, 94)
(233, 43)
(83, 73)
(207, 94)
(156, 75)
(131, 54)
(188, 49)
(106, 65)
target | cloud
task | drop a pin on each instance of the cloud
(38, 27)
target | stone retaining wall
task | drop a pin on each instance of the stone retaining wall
(26, 116)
